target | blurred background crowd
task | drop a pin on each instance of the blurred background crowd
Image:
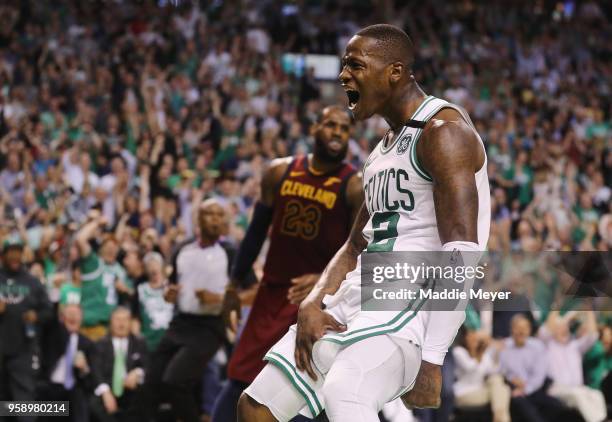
(126, 115)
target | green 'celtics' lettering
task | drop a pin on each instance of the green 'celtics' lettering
(386, 191)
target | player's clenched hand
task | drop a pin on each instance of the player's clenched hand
(427, 387)
(312, 323)
(301, 286)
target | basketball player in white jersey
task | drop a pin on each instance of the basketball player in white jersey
(426, 190)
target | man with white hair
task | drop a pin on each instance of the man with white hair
(149, 307)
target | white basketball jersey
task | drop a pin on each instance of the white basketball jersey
(399, 192)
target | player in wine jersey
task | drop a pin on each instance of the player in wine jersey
(426, 190)
(309, 204)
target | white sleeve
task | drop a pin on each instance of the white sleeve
(440, 333)
(442, 326)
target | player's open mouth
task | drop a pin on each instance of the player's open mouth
(353, 98)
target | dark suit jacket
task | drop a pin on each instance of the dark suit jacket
(104, 358)
(54, 343)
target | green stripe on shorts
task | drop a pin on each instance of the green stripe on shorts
(350, 337)
(298, 382)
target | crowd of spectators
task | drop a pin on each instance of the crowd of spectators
(118, 118)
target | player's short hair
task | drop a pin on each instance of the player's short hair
(335, 108)
(393, 43)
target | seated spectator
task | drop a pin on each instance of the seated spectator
(66, 356)
(478, 379)
(565, 363)
(119, 372)
(524, 364)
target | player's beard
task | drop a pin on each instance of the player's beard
(324, 155)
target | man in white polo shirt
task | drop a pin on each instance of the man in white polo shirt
(198, 281)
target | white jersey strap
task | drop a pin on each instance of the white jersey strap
(424, 115)
(427, 110)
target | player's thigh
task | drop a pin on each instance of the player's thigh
(371, 369)
(273, 389)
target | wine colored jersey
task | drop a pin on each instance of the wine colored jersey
(311, 221)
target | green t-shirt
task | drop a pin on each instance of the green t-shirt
(70, 294)
(472, 318)
(525, 182)
(99, 296)
(155, 313)
(596, 364)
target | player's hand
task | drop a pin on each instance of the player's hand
(231, 308)
(2, 306)
(312, 323)
(301, 286)
(171, 293)
(110, 403)
(206, 297)
(427, 388)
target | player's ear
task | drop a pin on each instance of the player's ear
(396, 70)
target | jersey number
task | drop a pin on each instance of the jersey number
(108, 281)
(385, 231)
(301, 220)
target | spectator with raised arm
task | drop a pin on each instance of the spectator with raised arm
(103, 278)
(565, 353)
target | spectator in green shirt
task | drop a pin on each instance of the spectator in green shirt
(70, 293)
(102, 279)
(152, 311)
(597, 361)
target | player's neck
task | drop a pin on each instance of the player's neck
(318, 166)
(403, 106)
